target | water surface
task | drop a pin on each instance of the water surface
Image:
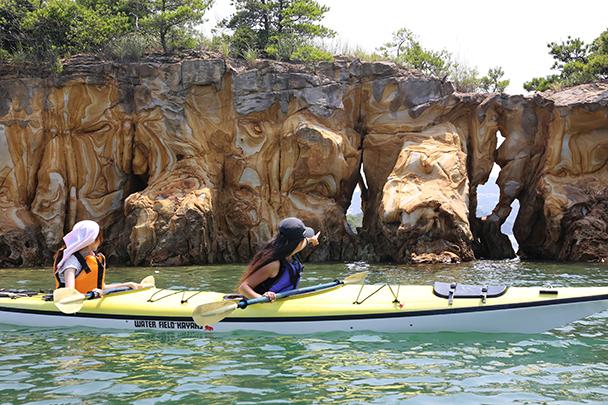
(565, 365)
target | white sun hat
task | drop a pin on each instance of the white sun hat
(82, 235)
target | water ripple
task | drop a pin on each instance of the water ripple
(565, 365)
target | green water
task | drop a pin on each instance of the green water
(565, 365)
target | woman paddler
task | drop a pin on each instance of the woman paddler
(277, 267)
(78, 264)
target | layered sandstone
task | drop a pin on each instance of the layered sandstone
(567, 219)
(195, 161)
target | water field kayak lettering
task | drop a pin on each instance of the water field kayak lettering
(166, 324)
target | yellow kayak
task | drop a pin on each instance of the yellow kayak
(382, 307)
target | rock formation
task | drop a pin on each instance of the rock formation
(566, 217)
(195, 161)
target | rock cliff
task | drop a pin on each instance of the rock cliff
(196, 160)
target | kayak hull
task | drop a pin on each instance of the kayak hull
(400, 309)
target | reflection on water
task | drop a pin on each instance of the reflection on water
(75, 365)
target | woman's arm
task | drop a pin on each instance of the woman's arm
(269, 271)
(314, 240)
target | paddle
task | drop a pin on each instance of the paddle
(70, 300)
(208, 314)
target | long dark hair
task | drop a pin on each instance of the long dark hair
(278, 248)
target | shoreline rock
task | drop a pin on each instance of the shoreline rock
(195, 161)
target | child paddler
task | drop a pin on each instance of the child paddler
(277, 267)
(78, 264)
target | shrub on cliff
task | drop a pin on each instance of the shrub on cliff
(280, 29)
(576, 63)
(68, 27)
(39, 33)
(405, 49)
(130, 47)
(12, 34)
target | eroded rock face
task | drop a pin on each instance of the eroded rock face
(183, 162)
(522, 122)
(196, 161)
(566, 219)
(418, 190)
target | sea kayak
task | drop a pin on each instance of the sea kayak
(441, 307)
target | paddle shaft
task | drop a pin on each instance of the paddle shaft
(91, 295)
(245, 303)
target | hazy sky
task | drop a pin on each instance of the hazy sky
(512, 34)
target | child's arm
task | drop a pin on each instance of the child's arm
(69, 277)
(133, 286)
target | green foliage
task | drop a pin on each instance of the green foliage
(597, 64)
(576, 63)
(218, 43)
(5, 56)
(405, 49)
(134, 10)
(282, 29)
(464, 78)
(40, 33)
(13, 37)
(66, 27)
(251, 55)
(172, 20)
(281, 47)
(568, 51)
(130, 47)
(337, 47)
(309, 53)
(542, 83)
(354, 221)
(493, 82)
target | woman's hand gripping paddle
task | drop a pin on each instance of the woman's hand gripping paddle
(70, 300)
(208, 314)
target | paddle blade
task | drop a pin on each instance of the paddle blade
(148, 282)
(356, 278)
(68, 300)
(208, 314)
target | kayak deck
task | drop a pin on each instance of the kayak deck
(389, 308)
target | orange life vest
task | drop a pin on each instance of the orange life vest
(90, 277)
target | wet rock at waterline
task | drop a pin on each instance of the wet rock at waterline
(195, 161)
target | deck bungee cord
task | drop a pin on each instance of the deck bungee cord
(184, 301)
(172, 293)
(395, 295)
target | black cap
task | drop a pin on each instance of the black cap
(294, 229)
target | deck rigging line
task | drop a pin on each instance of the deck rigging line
(151, 299)
(395, 296)
(183, 300)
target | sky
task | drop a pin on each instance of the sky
(483, 34)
